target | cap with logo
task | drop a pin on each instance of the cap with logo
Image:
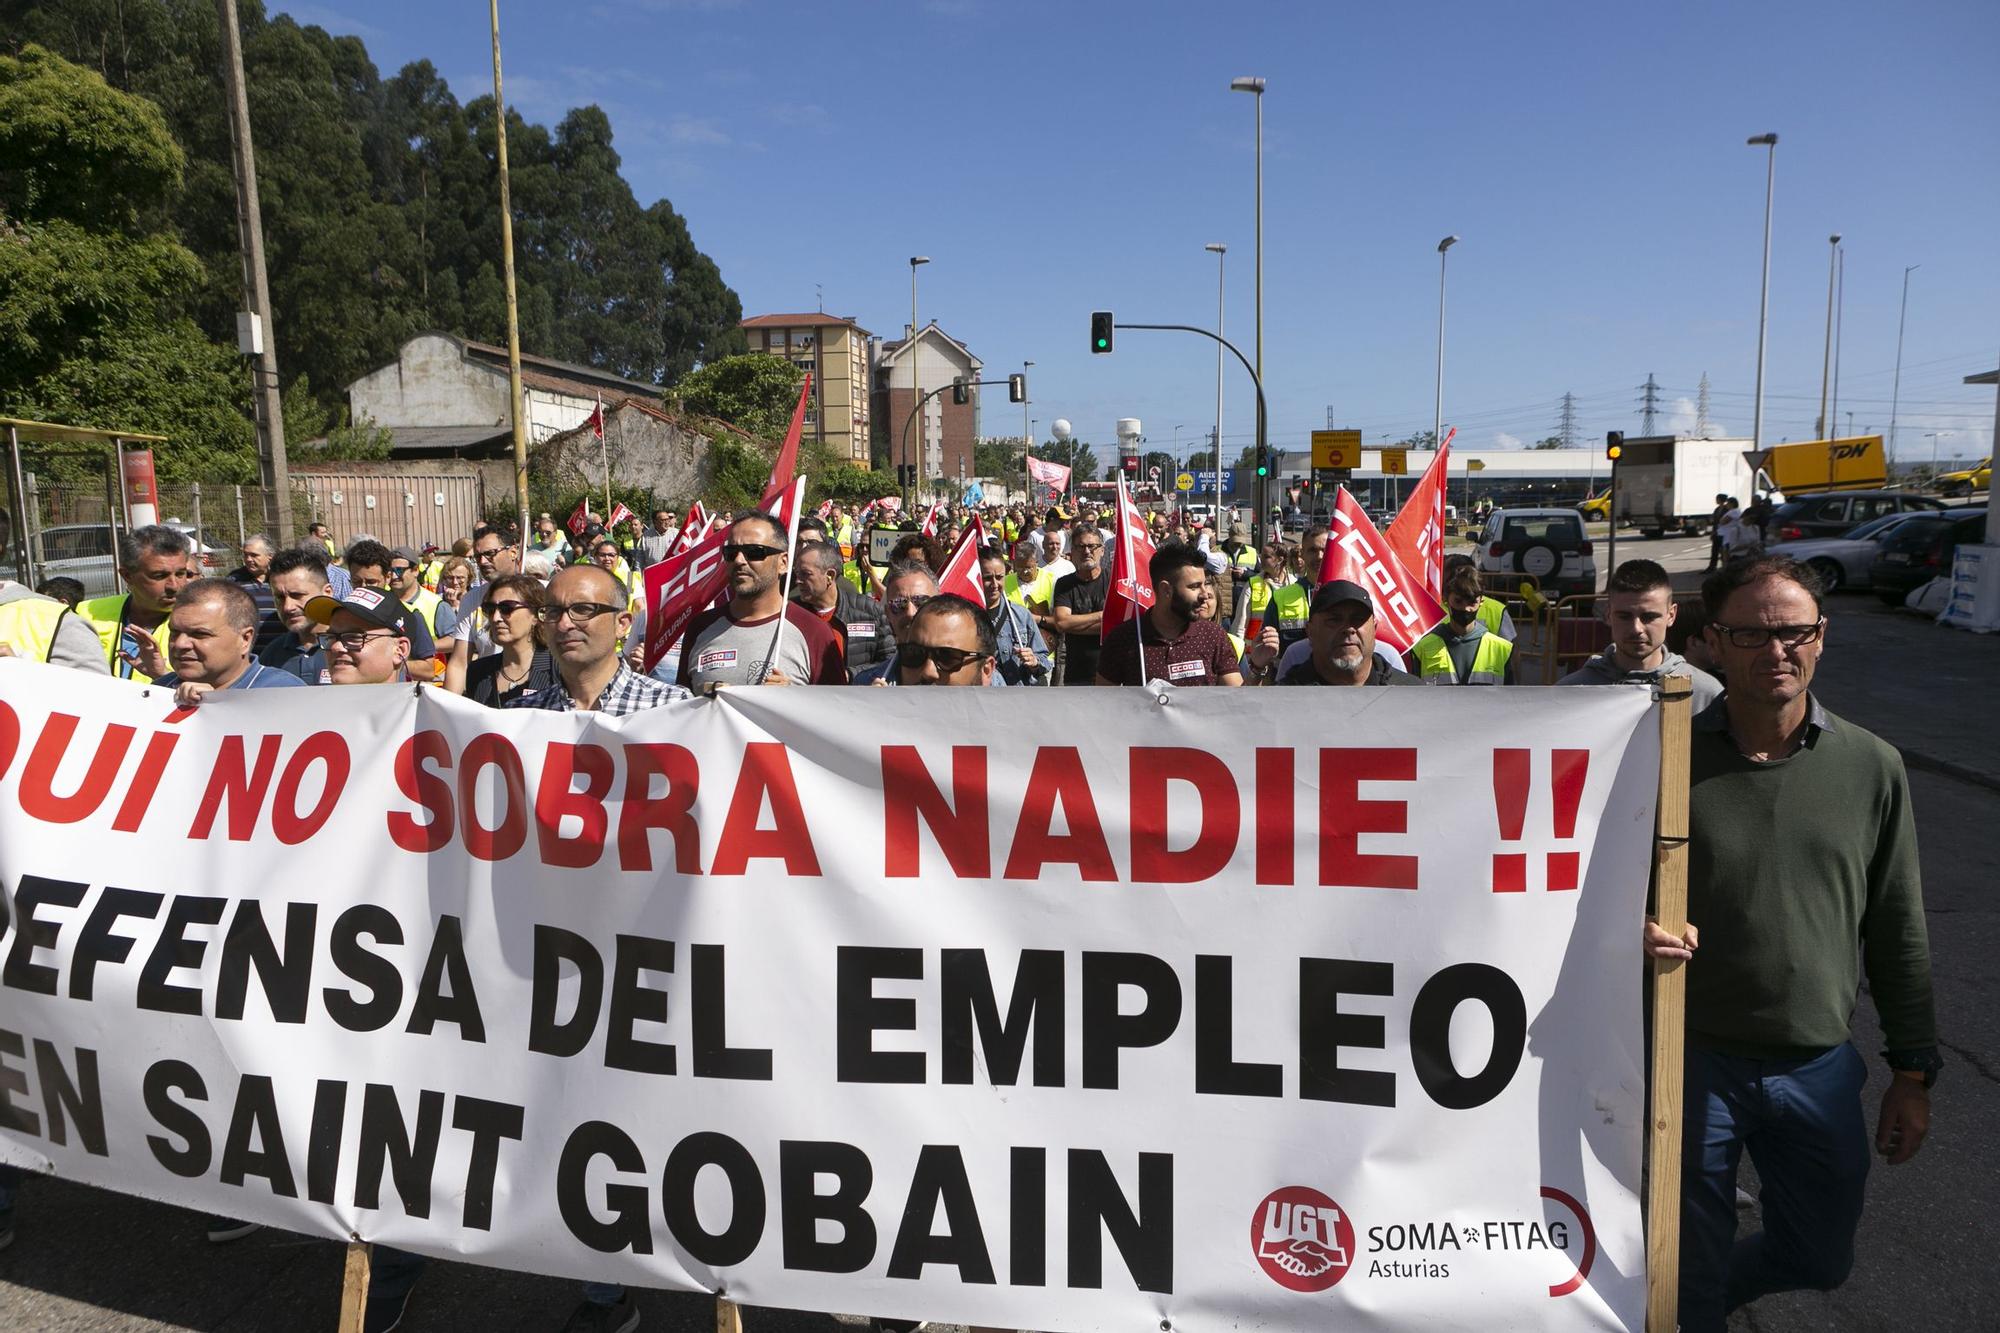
(373, 605)
(1335, 591)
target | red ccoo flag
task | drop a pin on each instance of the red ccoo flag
(619, 514)
(579, 520)
(788, 453)
(597, 418)
(1417, 534)
(1404, 608)
(1131, 561)
(960, 574)
(930, 527)
(692, 527)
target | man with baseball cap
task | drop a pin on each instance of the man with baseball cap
(367, 639)
(1341, 632)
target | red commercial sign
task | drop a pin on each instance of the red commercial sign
(140, 486)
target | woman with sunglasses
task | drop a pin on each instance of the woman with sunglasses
(522, 664)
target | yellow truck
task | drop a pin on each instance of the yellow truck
(1978, 477)
(1811, 466)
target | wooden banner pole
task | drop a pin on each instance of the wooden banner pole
(728, 1316)
(354, 1288)
(1669, 981)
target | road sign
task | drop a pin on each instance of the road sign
(1474, 465)
(1395, 462)
(1336, 448)
(1204, 479)
(1184, 481)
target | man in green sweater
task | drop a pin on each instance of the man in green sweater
(1802, 872)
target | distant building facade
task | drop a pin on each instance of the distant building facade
(836, 352)
(941, 441)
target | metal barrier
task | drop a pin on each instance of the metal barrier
(1572, 639)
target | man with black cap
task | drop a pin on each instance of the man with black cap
(367, 639)
(1341, 631)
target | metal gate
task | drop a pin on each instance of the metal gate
(405, 507)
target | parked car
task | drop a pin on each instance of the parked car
(1832, 515)
(1922, 549)
(1847, 561)
(1978, 477)
(83, 551)
(1548, 544)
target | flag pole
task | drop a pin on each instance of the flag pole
(797, 504)
(604, 456)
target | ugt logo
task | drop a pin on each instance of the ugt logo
(1303, 1240)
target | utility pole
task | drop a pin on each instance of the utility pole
(514, 405)
(255, 334)
(1649, 404)
(1896, 393)
(1822, 428)
(1566, 426)
(1839, 323)
(1703, 428)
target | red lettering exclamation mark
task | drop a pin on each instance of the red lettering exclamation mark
(1510, 802)
(1569, 770)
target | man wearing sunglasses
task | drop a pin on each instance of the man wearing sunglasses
(1079, 609)
(1802, 876)
(583, 621)
(950, 642)
(909, 586)
(757, 637)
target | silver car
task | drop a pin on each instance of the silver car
(1843, 561)
(82, 551)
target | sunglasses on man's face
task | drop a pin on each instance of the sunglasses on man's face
(750, 551)
(948, 661)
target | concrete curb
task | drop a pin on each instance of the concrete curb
(1917, 759)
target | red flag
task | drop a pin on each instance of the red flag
(1131, 561)
(1417, 534)
(684, 584)
(695, 524)
(1404, 608)
(597, 418)
(619, 513)
(930, 528)
(788, 453)
(960, 574)
(579, 520)
(825, 508)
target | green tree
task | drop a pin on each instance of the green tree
(94, 328)
(1000, 458)
(754, 392)
(1549, 442)
(1423, 439)
(850, 485)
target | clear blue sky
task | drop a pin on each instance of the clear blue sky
(1052, 158)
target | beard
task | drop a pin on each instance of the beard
(1349, 662)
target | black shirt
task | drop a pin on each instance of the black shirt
(1085, 597)
(1305, 673)
(484, 686)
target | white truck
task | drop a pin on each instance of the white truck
(1668, 484)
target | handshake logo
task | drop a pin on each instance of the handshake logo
(1303, 1240)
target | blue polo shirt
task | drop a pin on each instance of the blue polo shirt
(256, 676)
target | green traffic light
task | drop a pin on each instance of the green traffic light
(1103, 343)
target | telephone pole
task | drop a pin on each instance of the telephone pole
(1649, 404)
(514, 400)
(254, 334)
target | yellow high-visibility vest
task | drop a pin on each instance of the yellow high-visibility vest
(1489, 661)
(28, 626)
(107, 615)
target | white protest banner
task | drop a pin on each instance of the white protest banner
(1071, 1012)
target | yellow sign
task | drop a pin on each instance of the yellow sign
(1336, 448)
(1474, 465)
(1395, 462)
(1184, 481)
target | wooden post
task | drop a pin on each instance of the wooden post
(728, 1316)
(354, 1288)
(1669, 977)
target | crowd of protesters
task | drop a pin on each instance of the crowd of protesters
(1804, 873)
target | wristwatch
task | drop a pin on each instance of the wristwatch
(1923, 1064)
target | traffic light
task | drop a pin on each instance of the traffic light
(1614, 444)
(960, 394)
(1017, 388)
(1263, 466)
(1102, 327)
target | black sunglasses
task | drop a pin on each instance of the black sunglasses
(948, 661)
(750, 551)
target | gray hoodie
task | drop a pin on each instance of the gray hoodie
(1603, 669)
(76, 644)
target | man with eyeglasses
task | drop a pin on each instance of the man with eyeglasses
(406, 581)
(1639, 607)
(583, 620)
(369, 562)
(950, 642)
(1803, 878)
(1079, 604)
(367, 639)
(909, 585)
(757, 637)
(1023, 659)
(495, 556)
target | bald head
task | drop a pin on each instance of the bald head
(588, 583)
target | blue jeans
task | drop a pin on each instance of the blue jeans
(1802, 1122)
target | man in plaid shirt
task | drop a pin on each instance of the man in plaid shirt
(584, 619)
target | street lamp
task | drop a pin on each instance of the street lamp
(1027, 427)
(1255, 87)
(1218, 249)
(1769, 141)
(916, 386)
(1826, 364)
(1896, 393)
(1437, 413)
